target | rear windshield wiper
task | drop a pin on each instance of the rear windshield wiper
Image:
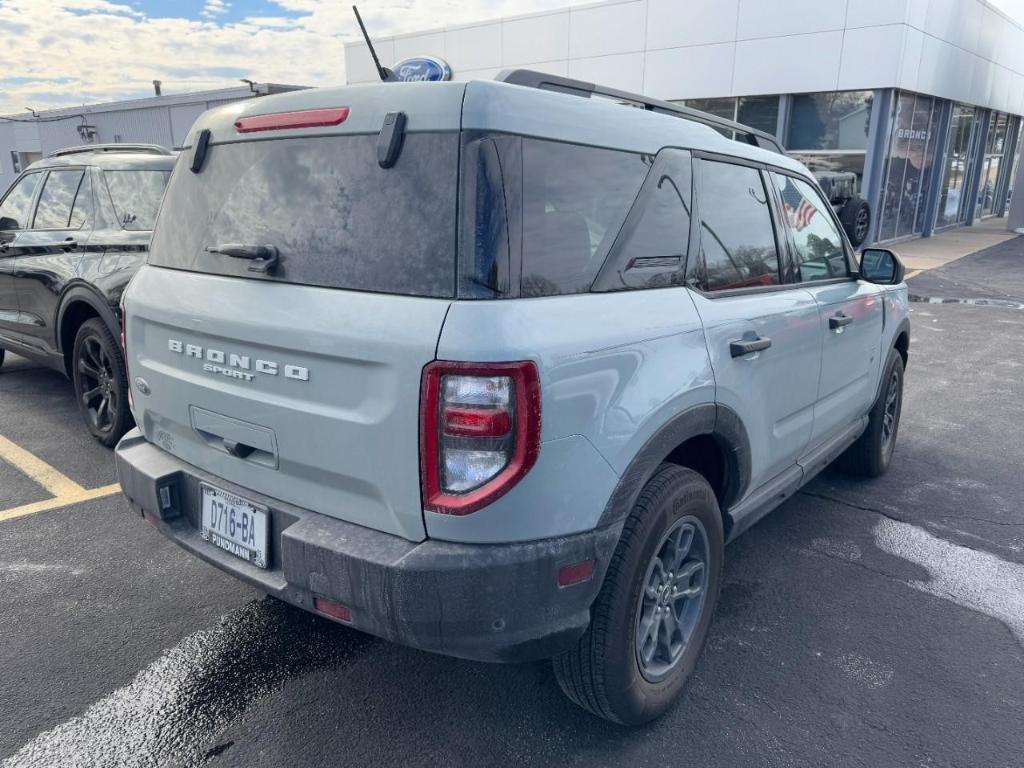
(263, 257)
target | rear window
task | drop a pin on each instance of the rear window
(574, 202)
(136, 196)
(335, 216)
(539, 218)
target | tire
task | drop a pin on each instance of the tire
(3, 353)
(871, 455)
(605, 672)
(855, 217)
(98, 373)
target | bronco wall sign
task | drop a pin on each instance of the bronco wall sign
(422, 68)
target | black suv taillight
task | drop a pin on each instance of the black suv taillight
(479, 432)
(124, 351)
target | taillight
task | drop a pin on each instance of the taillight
(480, 432)
(124, 352)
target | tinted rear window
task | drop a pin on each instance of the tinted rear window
(539, 218)
(575, 199)
(136, 196)
(336, 217)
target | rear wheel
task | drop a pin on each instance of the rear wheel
(855, 217)
(871, 455)
(651, 618)
(101, 385)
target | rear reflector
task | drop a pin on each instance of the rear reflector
(307, 118)
(576, 573)
(476, 422)
(332, 609)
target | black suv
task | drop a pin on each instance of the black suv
(74, 228)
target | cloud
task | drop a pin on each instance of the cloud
(214, 8)
(57, 53)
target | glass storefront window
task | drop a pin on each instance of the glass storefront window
(828, 132)
(720, 107)
(761, 112)
(1012, 177)
(993, 165)
(952, 205)
(909, 165)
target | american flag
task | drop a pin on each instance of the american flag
(799, 211)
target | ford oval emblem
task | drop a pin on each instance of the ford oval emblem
(422, 69)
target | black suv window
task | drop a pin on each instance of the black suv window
(136, 196)
(335, 216)
(575, 199)
(14, 211)
(57, 199)
(817, 242)
(737, 235)
(81, 213)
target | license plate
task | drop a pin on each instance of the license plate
(234, 525)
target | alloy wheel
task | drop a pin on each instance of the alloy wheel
(672, 598)
(890, 411)
(97, 384)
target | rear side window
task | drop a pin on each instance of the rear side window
(14, 211)
(136, 196)
(335, 216)
(651, 249)
(575, 200)
(57, 199)
(737, 235)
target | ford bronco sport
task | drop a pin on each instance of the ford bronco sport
(74, 227)
(495, 371)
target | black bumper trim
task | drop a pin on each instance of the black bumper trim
(488, 602)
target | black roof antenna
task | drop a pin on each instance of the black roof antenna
(386, 75)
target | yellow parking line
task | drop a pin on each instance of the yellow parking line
(37, 469)
(915, 273)
(60, 501)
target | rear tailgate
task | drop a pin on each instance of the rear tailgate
(301, 381)
(338, 434)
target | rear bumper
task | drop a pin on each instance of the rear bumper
(489, 602)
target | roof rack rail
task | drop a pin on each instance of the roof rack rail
(541, 80)
(144, 149)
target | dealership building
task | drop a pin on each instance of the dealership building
(920, 100)
(164, 120)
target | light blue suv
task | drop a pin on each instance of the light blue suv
(496, 371)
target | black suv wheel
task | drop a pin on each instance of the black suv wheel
(101, 386)
(651, 618)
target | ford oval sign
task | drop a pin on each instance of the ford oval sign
(422, 68)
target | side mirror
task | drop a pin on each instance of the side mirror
(7, 223)
(881, 266)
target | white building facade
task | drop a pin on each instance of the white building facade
(921, 99)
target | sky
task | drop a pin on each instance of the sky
(56, 53)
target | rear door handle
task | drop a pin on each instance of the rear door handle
(839, 320)
(69, 244)
(742, 347)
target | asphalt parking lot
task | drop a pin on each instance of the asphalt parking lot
(862, 624)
